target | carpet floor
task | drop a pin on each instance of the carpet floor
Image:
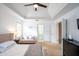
(50, 49)
(44, 49)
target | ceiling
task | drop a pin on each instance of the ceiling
(44, 13)
(29, 12)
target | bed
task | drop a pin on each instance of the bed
(18, 49)
(31, 41)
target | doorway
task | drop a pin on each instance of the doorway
(59, 32)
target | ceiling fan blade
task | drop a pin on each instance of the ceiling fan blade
(42, 5)
(29, 4)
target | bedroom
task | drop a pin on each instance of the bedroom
(26, 32)
(30, 28)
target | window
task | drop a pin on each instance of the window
(40, 31)
(29, 30)
(19, 30)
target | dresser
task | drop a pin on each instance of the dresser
(70, 48)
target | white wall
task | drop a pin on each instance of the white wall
(53, 32)
(8, 19)
(72, 23)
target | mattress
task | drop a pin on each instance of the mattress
(16, 50)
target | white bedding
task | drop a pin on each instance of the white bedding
(16, 50)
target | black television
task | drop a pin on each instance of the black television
(78, 23)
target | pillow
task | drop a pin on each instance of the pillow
(5, 45)
(2, 49)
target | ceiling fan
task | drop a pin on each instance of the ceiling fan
(36, 5)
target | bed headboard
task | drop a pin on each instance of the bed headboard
(6, 37)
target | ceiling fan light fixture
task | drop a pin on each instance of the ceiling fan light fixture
(35, 9)
(35, 6)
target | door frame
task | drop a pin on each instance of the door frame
(59, 32)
